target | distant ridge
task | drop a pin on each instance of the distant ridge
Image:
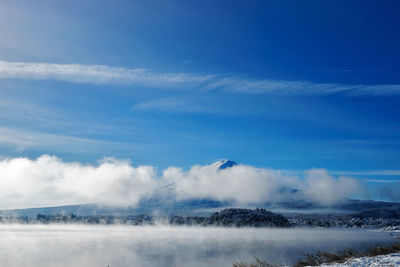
(200, 207)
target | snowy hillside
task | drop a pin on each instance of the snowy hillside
(223, 164)
(381, 261)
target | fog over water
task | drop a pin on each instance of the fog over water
(77, 245)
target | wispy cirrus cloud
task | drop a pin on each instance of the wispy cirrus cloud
(20, 140)
(356, 173)
(175, 104)
(369, 173)
(94, 74)
(102, 74)
(163, 104)
(278, 87)
(382, 181)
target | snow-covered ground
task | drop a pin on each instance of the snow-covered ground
(391, 260)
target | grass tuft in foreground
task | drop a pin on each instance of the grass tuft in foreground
(256, 263)
(342, 255)
(328, 257)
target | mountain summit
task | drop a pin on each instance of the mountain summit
(223, 164)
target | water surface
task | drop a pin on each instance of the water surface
(82, 245)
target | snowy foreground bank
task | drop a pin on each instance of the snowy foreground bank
(391, 260)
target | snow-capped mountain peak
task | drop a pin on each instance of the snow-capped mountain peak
(223, 164)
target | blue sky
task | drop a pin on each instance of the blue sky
(289, 85)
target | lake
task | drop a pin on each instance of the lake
(119, 246)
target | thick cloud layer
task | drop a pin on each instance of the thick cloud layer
(323, 188)
(246, 184)
(49, 181)
(243, 184)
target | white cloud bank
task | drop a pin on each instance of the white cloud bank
(323, 188)
(246, 184)
(49, 181)
(243, 184)
(102, 74)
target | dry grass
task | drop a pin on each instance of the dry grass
(384, 250)
(328, 257)
(342, 255)
(256, 263)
